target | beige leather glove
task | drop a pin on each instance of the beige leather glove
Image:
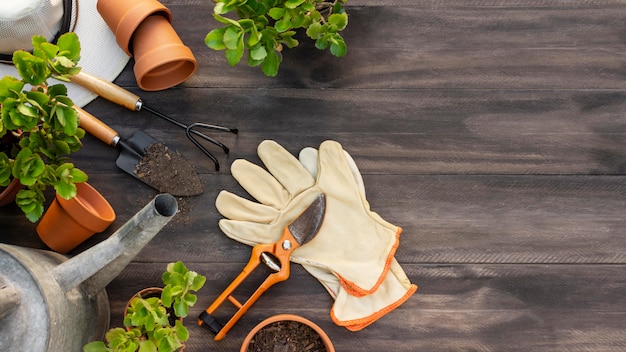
(355, 313)
(353, 242)
(254, 223)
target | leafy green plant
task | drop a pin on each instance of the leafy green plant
(264, 26)
(155, 323)
(43, 123)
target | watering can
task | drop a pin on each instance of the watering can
(49, 303)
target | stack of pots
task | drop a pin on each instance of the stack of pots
(143, 29)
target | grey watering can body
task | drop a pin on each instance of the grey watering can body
(49, 303)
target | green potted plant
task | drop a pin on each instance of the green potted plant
(41, 126)
(264, 26)
(154, 321)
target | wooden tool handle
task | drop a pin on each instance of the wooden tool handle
(97, 128)
(107, 90)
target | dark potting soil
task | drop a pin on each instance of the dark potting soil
(286, 336)
(168, 171)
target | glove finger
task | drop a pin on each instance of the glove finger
(250, 233)
(308, 157)
(259, 183)
(285, 167)
(235, 207)
(333, 165)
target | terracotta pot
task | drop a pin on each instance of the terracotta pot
(7, 196)
(161, 59)
(68, 223)
(123, 17)
(289, 317)
(143, 29)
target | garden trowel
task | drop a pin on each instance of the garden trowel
(141, 155)
(276, 256)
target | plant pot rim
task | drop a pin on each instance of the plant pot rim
(292, 317)
(8, 194)
(89, 204)
(125, 25)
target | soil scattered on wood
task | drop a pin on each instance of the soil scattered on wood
(168, 171)
(286, 336)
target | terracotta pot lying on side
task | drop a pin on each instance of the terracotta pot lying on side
(69, 222)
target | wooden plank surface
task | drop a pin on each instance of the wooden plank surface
(491, 131)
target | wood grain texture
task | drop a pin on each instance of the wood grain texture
(491, 131)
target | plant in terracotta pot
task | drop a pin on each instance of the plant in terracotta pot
(39, 124)
(264, 26)
(289, 333)
(153, 318)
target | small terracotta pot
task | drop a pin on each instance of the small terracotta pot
(161, 59)
(291, 317)
(124, 16)
(7, 196)
(144, 31)
(69, 222)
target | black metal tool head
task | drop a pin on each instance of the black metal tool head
(305, 227)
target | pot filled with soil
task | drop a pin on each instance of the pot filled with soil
(287, 333)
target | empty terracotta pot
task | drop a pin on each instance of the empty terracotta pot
(286, 317)
(69, 222)
(161, 59)
(144, 31)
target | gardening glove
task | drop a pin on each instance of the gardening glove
(355, 313)
(352, 242)
(350, 311)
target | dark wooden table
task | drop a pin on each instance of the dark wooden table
(491, 131)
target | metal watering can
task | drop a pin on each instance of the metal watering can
(54, 304)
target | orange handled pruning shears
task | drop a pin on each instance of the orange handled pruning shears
(276, 256)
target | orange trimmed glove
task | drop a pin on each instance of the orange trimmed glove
(352, 253)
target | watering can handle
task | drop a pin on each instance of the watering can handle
(107, 90)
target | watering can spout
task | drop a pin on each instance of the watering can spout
(96, 267)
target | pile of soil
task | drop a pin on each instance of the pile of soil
(286, 336)
(168, 172)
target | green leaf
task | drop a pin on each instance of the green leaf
(198, 282)
(338, 21)
(9, 86)
(284, 23)
(166, 296)
(181, 309)
(95, 346)
(231, 37)
(276, 13)
(270, 64)
(233, 56)
(315, 30)
(258, 53)
(69, 46)
(32, 69)
(338, 46)
(215, 39)
(30, 201)
(292, 4)
(321, 43)
(78, 176)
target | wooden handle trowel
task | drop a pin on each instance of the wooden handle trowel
(146, 159)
